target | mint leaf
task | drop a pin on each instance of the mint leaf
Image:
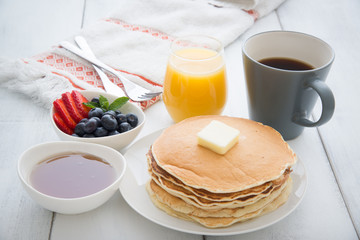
(91, 104)
(118, 103)
(104, 103)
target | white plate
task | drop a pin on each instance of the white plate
(133, 190)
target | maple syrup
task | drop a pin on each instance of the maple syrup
(72, 175)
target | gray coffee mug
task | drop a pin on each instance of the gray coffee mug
(283, 98)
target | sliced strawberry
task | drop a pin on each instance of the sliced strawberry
(59, 107)
(79, 99)
(71, 106)
(61, 124)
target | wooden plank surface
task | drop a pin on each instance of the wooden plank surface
(339, 25)
(32, 27)
(322, 214)
(17, 134)
(26, 28)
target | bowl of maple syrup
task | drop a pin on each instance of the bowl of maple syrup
(71, 177)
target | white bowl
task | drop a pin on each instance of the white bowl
(40, 152)
(117, 141)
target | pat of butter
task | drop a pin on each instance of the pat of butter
(218, 137)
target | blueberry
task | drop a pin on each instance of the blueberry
(88, 135)
(124, 127)
(121, 118)
(84, 120)
(101, 132)
(110, 112)
(132, 119)
(96, 112)
(117, 112)
(95, 100)
(98, 121)
(113, 133)
(80, 129)
(109, 122)
(90, 126)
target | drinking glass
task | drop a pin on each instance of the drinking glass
(195, 80)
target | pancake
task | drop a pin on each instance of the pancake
(260, 156)
(173, 184)
(218, 222)
(198, 202)
(179, 205)
(194, 183)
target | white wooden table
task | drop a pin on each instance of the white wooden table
(331, 153)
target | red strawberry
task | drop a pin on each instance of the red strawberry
(61, 124)
(79, 99)
(71, 107)
(59, 107)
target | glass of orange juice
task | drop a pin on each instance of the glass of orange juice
(195, 80)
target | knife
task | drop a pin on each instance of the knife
(132, 90)
(109, 86)
(77, 51)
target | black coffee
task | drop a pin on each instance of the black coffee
(286, 64)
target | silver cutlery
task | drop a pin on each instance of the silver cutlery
(131, 90)
(109, 86)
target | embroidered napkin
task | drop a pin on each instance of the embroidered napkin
(135, 40)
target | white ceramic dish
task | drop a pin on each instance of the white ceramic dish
(118, 141)
(133, 190)
(40, 152)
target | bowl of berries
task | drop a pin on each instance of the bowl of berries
(96, 117)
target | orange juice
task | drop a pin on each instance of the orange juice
(195, 83)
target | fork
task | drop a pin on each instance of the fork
(133, 91)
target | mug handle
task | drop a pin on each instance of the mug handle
(327, 101)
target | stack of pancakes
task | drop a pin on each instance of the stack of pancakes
(194, 183)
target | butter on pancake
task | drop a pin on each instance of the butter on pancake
(218, 137)
(194, 183)
(260, 156)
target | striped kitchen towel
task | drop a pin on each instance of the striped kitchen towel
(135, 40)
